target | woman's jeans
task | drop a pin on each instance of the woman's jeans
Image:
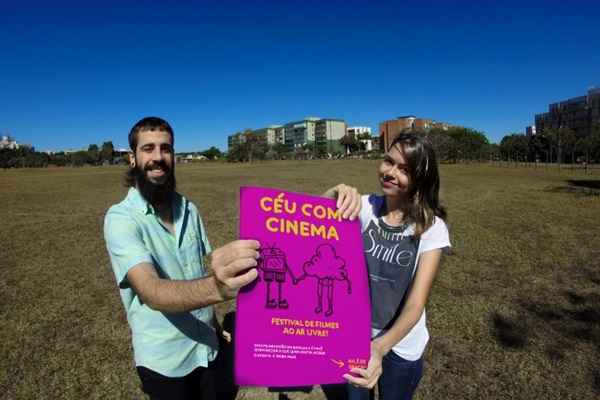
(398, 381)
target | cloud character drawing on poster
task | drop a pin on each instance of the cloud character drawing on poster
(327, 268)
(273, 265)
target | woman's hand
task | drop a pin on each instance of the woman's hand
(348, 200)
(367, 378)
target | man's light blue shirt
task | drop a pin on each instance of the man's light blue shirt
(172, 344)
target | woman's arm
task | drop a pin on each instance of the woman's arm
(348, 200)
(411, 312)
(415, 303)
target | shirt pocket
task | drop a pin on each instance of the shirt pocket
(191, 253)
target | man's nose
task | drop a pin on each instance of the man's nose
(157, 154)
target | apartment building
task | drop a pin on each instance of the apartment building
(580, 114)
(328, 133)
(300, 133)
(235, 140)
(310, 130)
(358, 130)
(273, 134)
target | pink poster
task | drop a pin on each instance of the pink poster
(306, 319)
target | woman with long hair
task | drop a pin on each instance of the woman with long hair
(404, 234)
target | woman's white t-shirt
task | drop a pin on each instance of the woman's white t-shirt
(392, 257)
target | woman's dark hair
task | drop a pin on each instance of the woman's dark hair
(424, 181)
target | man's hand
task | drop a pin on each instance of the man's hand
(233, 266)
(348, 200)
(368, 377)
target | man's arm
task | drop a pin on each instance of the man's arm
(232, 265)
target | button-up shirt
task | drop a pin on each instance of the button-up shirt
(172, 344)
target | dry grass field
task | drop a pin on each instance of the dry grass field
(514, 314)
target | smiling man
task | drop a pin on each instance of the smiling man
(156, 242)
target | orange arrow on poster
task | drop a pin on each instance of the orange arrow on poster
(339, 363)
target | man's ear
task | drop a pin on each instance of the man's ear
(132, 159)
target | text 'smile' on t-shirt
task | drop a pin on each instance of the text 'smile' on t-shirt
(392, 256)
(391, 253)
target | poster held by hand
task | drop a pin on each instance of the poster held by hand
(306, 319)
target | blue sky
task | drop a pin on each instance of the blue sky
(75, 73)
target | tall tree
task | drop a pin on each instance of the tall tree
(280, 151)
(538, 148)
(441, 142)
(594, 143)
(552, 137)
(212, 153)
(349, 142)
(94, 153)
(107, 151)
(514, 147)
(568, 140)
(468, 143)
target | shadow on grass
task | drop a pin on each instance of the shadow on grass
(510, 333)
(578, 186)
(596, 381)
(562, 326)
(584, 183)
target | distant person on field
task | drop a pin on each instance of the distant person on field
(403, 236)
(156, 241)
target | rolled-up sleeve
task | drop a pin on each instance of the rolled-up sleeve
(125, 245)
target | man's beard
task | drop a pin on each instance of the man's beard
(155, 194)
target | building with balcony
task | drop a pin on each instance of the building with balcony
(235, 140)
(273, 134)
(328, 133)
(300, 133)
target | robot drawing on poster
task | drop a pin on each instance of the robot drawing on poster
(273, 265)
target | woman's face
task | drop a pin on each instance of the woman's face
(393, 173)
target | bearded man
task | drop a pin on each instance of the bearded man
(156, 242)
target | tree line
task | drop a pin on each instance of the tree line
(558, 145)
(460, 144)
(28, 157)
(454, 144)
(254, 147)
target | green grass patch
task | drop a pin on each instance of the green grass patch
(515, 310)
